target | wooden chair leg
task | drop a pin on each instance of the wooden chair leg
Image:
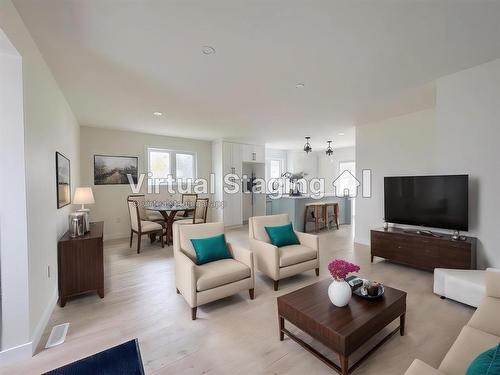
(131, 235)
(193, 313)
(317, 271)
(161, 239)
(276, 285)
(251, 292)
(138, 243)
(305, 220)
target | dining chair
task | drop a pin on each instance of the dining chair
(200, 213)
(142, 227)
(189, 199)
(143, 213)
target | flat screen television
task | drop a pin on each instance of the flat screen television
(429, 201)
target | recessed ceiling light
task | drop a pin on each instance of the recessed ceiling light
(341, 134)
(299, 85)
(158, 113)
(208, 50)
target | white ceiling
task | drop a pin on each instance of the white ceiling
(119, 61)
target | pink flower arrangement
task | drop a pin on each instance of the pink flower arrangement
(339, 269)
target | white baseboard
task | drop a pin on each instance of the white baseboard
(44, 320)
(362, 241)
(15, 354)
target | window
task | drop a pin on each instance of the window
(159, 163)
(275, 169)
(347, 183)
(184, 166)
(177, 164)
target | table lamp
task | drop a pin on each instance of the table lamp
(83, 196)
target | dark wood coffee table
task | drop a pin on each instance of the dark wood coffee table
(341, 329)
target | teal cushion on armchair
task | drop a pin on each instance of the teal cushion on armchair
(210, 249)
(486, 363)
(282, 235)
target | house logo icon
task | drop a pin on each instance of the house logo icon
(346, 184)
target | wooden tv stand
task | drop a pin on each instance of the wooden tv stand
(423, 251)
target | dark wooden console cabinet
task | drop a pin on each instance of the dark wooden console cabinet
(80, 263)
(423, 251)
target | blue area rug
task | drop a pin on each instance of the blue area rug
(124, 359)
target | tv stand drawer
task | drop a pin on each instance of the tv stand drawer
(422, 251)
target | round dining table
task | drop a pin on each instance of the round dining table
(168, 211)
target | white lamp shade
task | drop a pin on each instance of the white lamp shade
(83, 195)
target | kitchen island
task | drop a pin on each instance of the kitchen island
(295, 207)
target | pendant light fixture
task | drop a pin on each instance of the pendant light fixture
(307, 146)
(329, 149)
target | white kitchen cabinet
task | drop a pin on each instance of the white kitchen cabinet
(253, 153)
(232, 158)
(227, 160)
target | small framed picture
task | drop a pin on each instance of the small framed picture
(113, 170)
(63, 180)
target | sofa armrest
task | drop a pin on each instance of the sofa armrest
(421, 368)
(185, 277)
(309, 240)
(493, 282)
(242, 255)
(267, 256)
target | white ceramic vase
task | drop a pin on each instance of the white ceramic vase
(340, 293)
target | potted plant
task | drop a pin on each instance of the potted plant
(339, 290)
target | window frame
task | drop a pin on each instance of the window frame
(173, 161)
(280, 161)
(340, 171)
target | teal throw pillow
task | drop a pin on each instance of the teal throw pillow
(486, 363)
(282, 235)
(210, 249)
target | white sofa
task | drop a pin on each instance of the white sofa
(285, 261)
(481, 333)
(465, 286)
(201, 284)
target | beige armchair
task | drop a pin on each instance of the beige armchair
(201, 284)
(286, 261)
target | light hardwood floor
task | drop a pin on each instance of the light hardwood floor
(235, 335)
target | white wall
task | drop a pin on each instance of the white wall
(50, 126)
(328, 167)
(299, 161)
(468, 138)
(110, 200)
(14, 321)
(460, 136)
(397, 146)
(318, 165)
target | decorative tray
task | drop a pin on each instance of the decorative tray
(363, 294)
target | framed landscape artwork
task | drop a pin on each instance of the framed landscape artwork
(113, 170)
(63, 180)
